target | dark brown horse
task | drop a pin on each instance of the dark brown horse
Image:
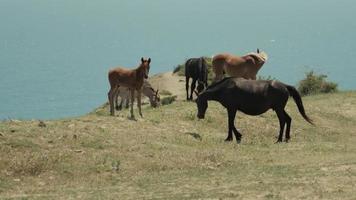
(196, 68)
(130, 78)
(253, 98)
(235, 66)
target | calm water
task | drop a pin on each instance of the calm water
(54, 55)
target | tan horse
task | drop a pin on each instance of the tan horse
(147, 90)
(246, 66)
(130, 78)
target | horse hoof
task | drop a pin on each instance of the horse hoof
(278, 141)
(238, 140)
(228, 139)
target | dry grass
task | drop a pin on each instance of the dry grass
(169, 154)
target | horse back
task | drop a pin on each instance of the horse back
(120, 76)
(254, 97)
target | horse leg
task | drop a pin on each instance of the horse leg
(236, 132)
(117, 107)
(231, 119)
(116, 95)
(111, 96)
(111, 101)
(192, 88)
(187, 86)
(282, 122)
(288, 121)
(139, 101)
(132, 92)
(127, 101)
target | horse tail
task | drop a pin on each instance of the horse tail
(298, 100)
(218, 64)
(186, 67)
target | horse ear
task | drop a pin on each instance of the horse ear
(149, 60)
(142, 59)
(258, 50)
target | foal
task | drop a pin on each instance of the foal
(253, 98)
(246, 66)
(196, 68)
(147, 90)
(132, 79)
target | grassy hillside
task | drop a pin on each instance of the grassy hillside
(170, 154)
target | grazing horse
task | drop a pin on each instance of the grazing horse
(196, 68)
(130, 78)
(147, 90)
(253, 98)
(246, 66)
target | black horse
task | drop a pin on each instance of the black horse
(253, 97)
(196, 68)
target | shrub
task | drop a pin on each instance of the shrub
(179, 69)
(314, 84)
(168, 100)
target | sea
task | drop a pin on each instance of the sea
(55, 55)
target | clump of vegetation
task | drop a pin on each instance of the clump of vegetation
(179, 69)
(168, 100)
(314, 84)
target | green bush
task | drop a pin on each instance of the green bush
(168, 100)
(314, 84)
(179, 69)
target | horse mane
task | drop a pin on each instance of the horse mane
(261, 57)
(218, 82)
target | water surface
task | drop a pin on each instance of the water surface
(54, 55)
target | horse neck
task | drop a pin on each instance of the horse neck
(210, 94)
(148, 92)
(140, 72)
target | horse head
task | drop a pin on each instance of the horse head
(202, 106)
(145, 64)
(156, 99)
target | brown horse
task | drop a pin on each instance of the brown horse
(235, 66)
(130, 78)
